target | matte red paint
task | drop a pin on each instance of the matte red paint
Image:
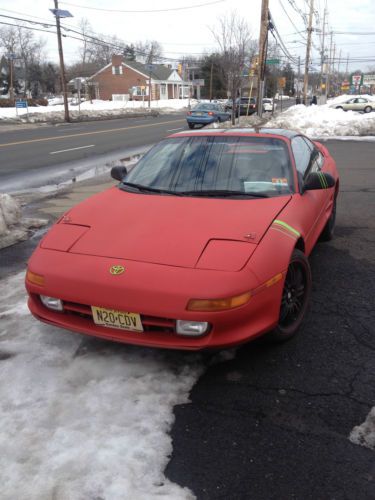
(175, 249)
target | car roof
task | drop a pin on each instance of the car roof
(288, 134)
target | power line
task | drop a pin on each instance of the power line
(145, 10)
(294, 26)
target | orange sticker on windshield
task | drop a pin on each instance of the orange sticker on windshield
(280, 180)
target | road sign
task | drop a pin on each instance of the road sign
(21, 104)
(199, 82)
(282, 82)
(356, 79)
(368, 79)
(272, 61)
(149, 67)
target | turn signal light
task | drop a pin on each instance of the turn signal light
(35, 279)
(218, 304)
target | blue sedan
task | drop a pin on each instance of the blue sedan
(205, 113)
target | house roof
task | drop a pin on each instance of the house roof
(159, 72)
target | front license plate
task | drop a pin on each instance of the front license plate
(117, 319)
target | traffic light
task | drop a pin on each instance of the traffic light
(179, 69)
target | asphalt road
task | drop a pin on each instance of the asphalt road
(49, 145)
(273, 423)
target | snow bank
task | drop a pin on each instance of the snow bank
(364, 434)
(96, 109)
(82, 419)
(323, 121)
(12, 227)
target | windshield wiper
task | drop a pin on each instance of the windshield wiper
(148, 189)
(223, 193)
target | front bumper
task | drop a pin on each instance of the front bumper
(158, 293)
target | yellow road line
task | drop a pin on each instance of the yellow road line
(59, 137)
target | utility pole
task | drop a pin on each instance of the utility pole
(11, 90)
(211, 75)
(298, 81)
(322, 54)
(58, 13)
(308, 48)
(263, 36)
(347, 66)
(329, 64)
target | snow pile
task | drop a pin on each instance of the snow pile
(96, 109)
(323, 121)
(82, 419)
(12, 227)
(364, 434)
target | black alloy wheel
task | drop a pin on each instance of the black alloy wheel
(295, 297)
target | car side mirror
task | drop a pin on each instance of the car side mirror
(118, 172)
(318, 180)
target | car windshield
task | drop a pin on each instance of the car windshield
(214, 166)
(206, 107)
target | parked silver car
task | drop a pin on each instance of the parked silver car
(356, 104)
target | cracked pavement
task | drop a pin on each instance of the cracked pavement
(274, 422)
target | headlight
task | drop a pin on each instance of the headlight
(191, 328)
(52, 303)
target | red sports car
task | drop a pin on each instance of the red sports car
(204, 243)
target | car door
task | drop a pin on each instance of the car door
(313, 203)
(361, 104)
(350, 105)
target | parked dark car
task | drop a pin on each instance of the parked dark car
(207, 112)
(243, 105)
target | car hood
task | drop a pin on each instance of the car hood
(169, 230)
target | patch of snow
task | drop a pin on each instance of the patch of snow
(12, 227)
(364, 434)
(323, 121)
(96, 109)
(84, 419)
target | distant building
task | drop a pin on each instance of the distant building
(123, 80)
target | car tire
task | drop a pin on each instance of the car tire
(368, 109)
(329, 228)
(339, 107)
(191, 125)
(295, 298)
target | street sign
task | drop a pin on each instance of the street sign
(77, 83)
(272, 61)
(368, 79)
(282, 82)
(199, 82)
(149, 67)
(356, 79)
(21, 104)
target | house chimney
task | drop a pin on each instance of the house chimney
(117, 60)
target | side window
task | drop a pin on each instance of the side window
(302, 153)
(318, 162)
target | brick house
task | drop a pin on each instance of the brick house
(123, 80)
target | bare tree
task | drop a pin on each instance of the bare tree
(233, 38)
(23, 46)
(148, 52)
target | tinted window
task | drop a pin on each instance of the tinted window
(302, 150)
(201, 163)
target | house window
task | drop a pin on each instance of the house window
(116, 70)
(140, 90)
